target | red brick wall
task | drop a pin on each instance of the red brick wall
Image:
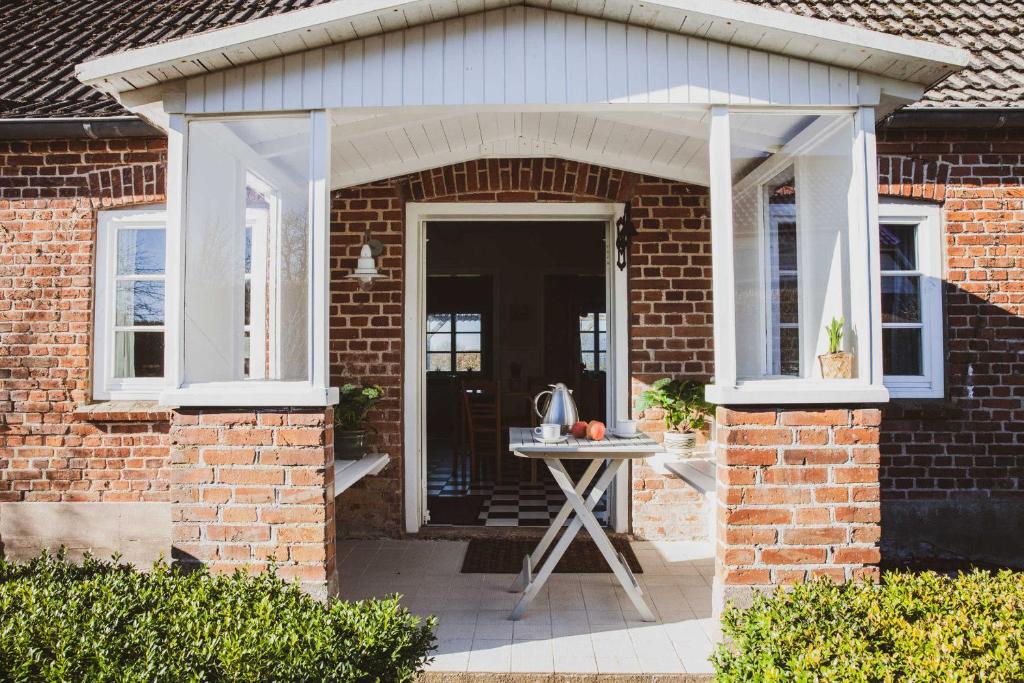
(967, 446)
(49, 194)
(798, 496)
(670, 307)
(250, 487)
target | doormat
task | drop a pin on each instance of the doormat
(505, 556)
(455, 510)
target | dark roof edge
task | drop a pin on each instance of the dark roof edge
(975, 119)
(111, 127)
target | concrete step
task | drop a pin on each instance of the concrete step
(470, 677)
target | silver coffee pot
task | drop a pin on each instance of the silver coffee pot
(561, 408)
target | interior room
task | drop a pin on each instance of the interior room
(512, 307)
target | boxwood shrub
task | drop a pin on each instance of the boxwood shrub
(106, 621)
(912, 627)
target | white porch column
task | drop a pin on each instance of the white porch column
(723, 281)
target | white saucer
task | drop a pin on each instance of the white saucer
(634, 435)
(561, 439)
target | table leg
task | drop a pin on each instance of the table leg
(565, 483)
(556, 526)
(624, 576)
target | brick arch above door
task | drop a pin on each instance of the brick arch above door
(670, 292)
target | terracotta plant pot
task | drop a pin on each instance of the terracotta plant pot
(349, 444)
(680, 445)
(836, 365)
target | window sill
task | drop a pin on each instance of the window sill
(122, 411)
(796, 392)
(249, 394)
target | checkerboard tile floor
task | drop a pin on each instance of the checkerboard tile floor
(514, 501)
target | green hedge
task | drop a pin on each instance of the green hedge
(912, 627)
(103, 621)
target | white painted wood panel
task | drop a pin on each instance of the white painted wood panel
(520, 55)
(383, 145)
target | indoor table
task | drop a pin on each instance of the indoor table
(615, 453)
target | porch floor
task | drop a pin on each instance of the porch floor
(581, 623)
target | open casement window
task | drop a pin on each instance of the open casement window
(910, 250)
(130, 289)
(254, 262)
(798, 255)
(594, 341)
(454, 342)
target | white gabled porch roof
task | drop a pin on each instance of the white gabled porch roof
(720, 21)
(425, 83)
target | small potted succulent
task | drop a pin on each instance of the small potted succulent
(836, 364)
(350, 426)
(685, 410)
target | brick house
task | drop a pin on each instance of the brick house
(172, 172)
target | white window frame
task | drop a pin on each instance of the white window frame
(768, 260)
(250, 392)
(866, 387)
(105, 386)
(928, 242)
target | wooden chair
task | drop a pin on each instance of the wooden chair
(481, 409)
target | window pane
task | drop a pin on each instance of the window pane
(789, 351)
(783, 309)
(139, 354)
(901, 351)
(792, 185)
(140, 252)
(588, 361)
(467, 362)
(587, 322)
(602, 341)
(786, 237)
(247, 209)
(248, 303)
(140, 302)
(587, 341)
(467, 322)
(439, 362)
(898, 247)
(901, 299)
(602, 319)
(439, 322)
(789, 300)
(442, 341)
(467, 342)
(602, 361)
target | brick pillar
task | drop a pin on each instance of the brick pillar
(250, 487)
(798, 497)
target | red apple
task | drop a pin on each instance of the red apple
(595, 430)
(579, 430)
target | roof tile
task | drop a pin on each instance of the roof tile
(41, 41)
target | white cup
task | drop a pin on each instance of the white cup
(626, 427)
(548, 431)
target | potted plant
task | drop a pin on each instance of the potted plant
(836, 364)
(350, 427)
(685, 411)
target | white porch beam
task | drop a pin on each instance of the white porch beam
(174, 308)
(722, 276)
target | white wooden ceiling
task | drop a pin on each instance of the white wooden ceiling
(668, 145)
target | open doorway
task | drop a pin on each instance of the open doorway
(511, 307)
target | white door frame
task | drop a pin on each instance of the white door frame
(414, 373)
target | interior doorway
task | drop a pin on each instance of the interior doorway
(511, 307)
(467, 272)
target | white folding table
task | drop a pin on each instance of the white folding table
(616, 453)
